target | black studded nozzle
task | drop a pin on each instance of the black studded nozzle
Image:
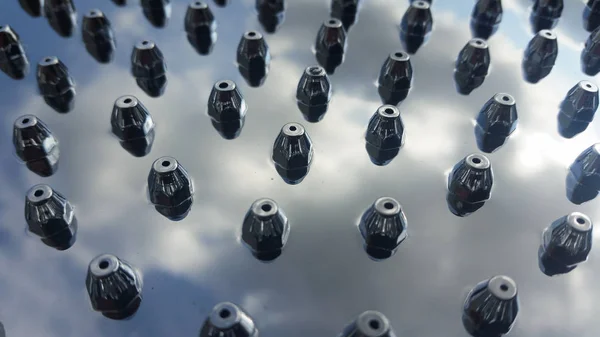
(133, 125)
(114, 287)
(540, 55)
(590, 56)
(149, 68)
(61, 15)
(50, 216)
(565, 244)
(120, 2)
(385, 135)
(369, 324)
(265, 229)
(415, 26)
(253, 58)
(32, 7)
(313, 93)
(36, 145)
(485, 18)
(13, 60)
(227, 109)
(545, 14)
(170, 188)
(271, 14)
(578, 108)
(201, 27)
(345, 11)
(583, 179)
(227, 319)
(591, 15)
(292, 153)
(158, 12)
(496, 121)
(491, 308)
(98, 36)
(395, 78)
(55, 84)
(472, 65)
(469, 184)
(330, 45)
(383, 227)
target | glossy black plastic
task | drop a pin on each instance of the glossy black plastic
(486, 18)
(369, 324)
(170, 188)
(55, 84)
(565, 244)
(313, 93)
(149, 68)
(271, 14)
(540, 55)
(491, 307)
(591, 15)
(227, 109)
(416, 25)
(133, 125)
(98, 36)
(113, 286)
(265, 229)
(253, 58)
(330, 45)
(227, 319)
(36, 145)
(583, 179)
(292, 153)
(395, 78)
(61, 15)
(158, 12)
(13, 60)
(385, 135)
(383, 227)
(470, 184)
(221, 3)
(578, 108)
(496, 121)
(472, 66)
(345, 11)
(201, 27)
(2, 331)
(32, 7)
(50, 216)
(590, 56)
(545, 14)
(120, 2)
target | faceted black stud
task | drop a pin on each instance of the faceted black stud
(32, 7)
(395, 78)
(120, 2)
(221, 3)
(415, 26)
(345, 11)
(469, 185)
(133, 125)
(385, 135)
(114, 287)
(201, 27)
(13, 60)
(577, 109)
(149, 68)
(271, 14)
(590, 56)
(485, 18)
(265, 229)
(227, 109)
(330, 45)
(98, 36)
(496, 121)
(472, 66)
(157, 12)
(61, 15)
(545, 14)
(565, 244)
(227, 319)
(253, 58)
(313, 93)
(35, 145)
(170, 188)
(491, 308)
(369, 324)
(292, 153)
(591, 15)
(383, 227)
(583, 179)
(50, 216)
(56, 84)
(540, 55)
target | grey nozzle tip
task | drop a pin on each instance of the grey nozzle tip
(103, 265)
(579, 222)
(198, 5)
(502, 287)
(333, 23)
(596, 148)
(48, 61)
(388, 111)
(315, 71)
(504, 99)
(588, 86)
(4, 28)
(145, 44)
(225, 85)
(400, 56)
(252, 35)
(547, 34)
(94, 13)
(478, 43)
(165, 164)
(372, 323)
(478, 161)
(39, 193)
(264, 207)
(225, 315)
(26, 121)
(420, 4)
(387, 206)
(293, 129)
(127, 101)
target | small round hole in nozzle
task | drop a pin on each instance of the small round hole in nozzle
(145, 43)
(332, 22)
(580, 221)
(103, 264)
(223, 85)
(314, 70)
(399, 54)
(503, 287)
(589, 86)
(389, 111)
(48, 59)
(374, 324)
(251, 34)
(25, 120)
(127, 100)
(266, 207)
(224, 313)
(166, 163)
(198, 3)
(476, 160)
(38, 193)
(505, 98)
(388, 205)
(92, 13)
(293, 128)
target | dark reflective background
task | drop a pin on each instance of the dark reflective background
(323, 278)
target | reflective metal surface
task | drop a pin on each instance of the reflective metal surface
(324, 278)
